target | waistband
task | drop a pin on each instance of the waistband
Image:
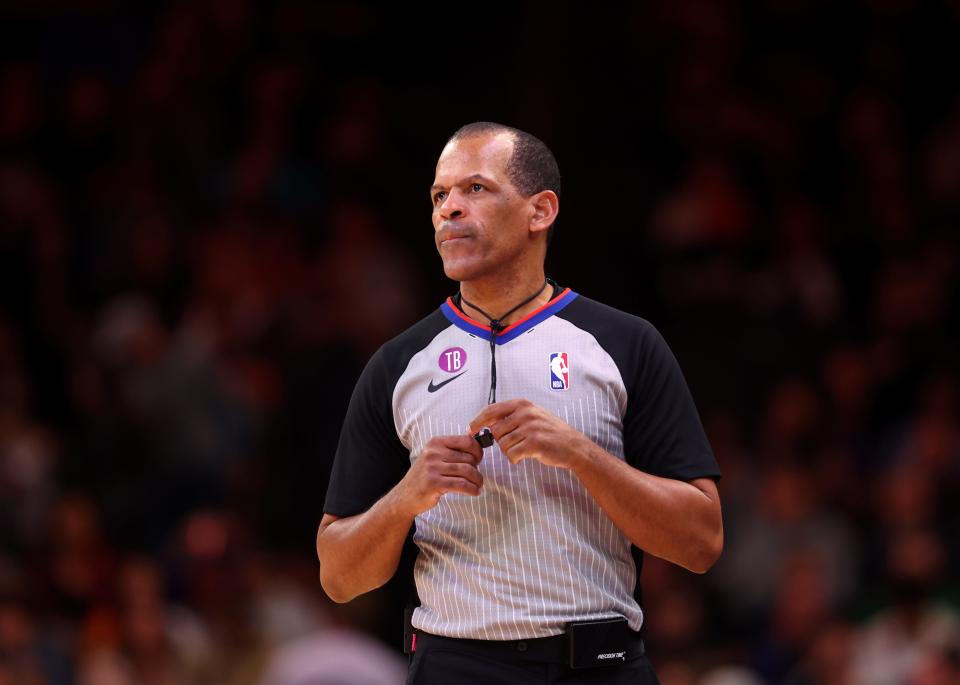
(553, 649)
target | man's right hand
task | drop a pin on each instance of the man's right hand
(448, 463)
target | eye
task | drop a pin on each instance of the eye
(438, 197)
(476, 187)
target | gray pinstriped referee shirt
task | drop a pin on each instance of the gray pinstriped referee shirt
(534, 551)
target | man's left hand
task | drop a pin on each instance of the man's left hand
(525, 431)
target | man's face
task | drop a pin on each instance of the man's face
(481, 221)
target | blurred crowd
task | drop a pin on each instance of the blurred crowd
(213, 212)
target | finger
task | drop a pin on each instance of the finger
(510, 440)
(461, 486)
(465, 471)
(463, 445)
(516, 452)
(506, 425)
(494, 412)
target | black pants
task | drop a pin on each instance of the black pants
(446, 661)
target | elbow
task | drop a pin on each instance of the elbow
(332, 584)
(339, 585)
(344, 587)
(333, 590)
(706, 552)
(329, 581)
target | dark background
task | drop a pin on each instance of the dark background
(213, 212)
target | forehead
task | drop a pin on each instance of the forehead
(484, 155)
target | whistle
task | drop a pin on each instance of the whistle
(484, 437)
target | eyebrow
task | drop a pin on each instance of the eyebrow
(469, 179)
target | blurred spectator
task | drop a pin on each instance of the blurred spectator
(335, 656)
(368, 281)
(800, 609)
(710, 209)
(900, 641)
(28, 654)
(28, 456)
(182, 427)
(940, 667)
(828, 659)
(81, 562)
(787, 521)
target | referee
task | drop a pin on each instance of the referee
(532, 443)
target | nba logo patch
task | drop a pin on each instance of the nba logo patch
(559, 371)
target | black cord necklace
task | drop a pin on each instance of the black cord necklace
(496, 326)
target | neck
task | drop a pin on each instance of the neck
(498, 299)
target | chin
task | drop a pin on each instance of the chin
(461, 270)
(456, 275)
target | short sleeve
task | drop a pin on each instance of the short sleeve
(663, 434)
(370, 458)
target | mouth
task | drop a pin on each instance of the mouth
(450, 236)
(453, 241)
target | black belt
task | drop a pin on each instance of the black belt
(553, 649)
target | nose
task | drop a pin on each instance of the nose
(452, 206)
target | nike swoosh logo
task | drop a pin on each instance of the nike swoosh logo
(434, 388)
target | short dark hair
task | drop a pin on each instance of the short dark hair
(532, 167)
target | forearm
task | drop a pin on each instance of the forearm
(360, 553)
(668, 518)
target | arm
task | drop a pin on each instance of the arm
(360, 553)
(676, 520)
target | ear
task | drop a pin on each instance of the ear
(546, 207)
